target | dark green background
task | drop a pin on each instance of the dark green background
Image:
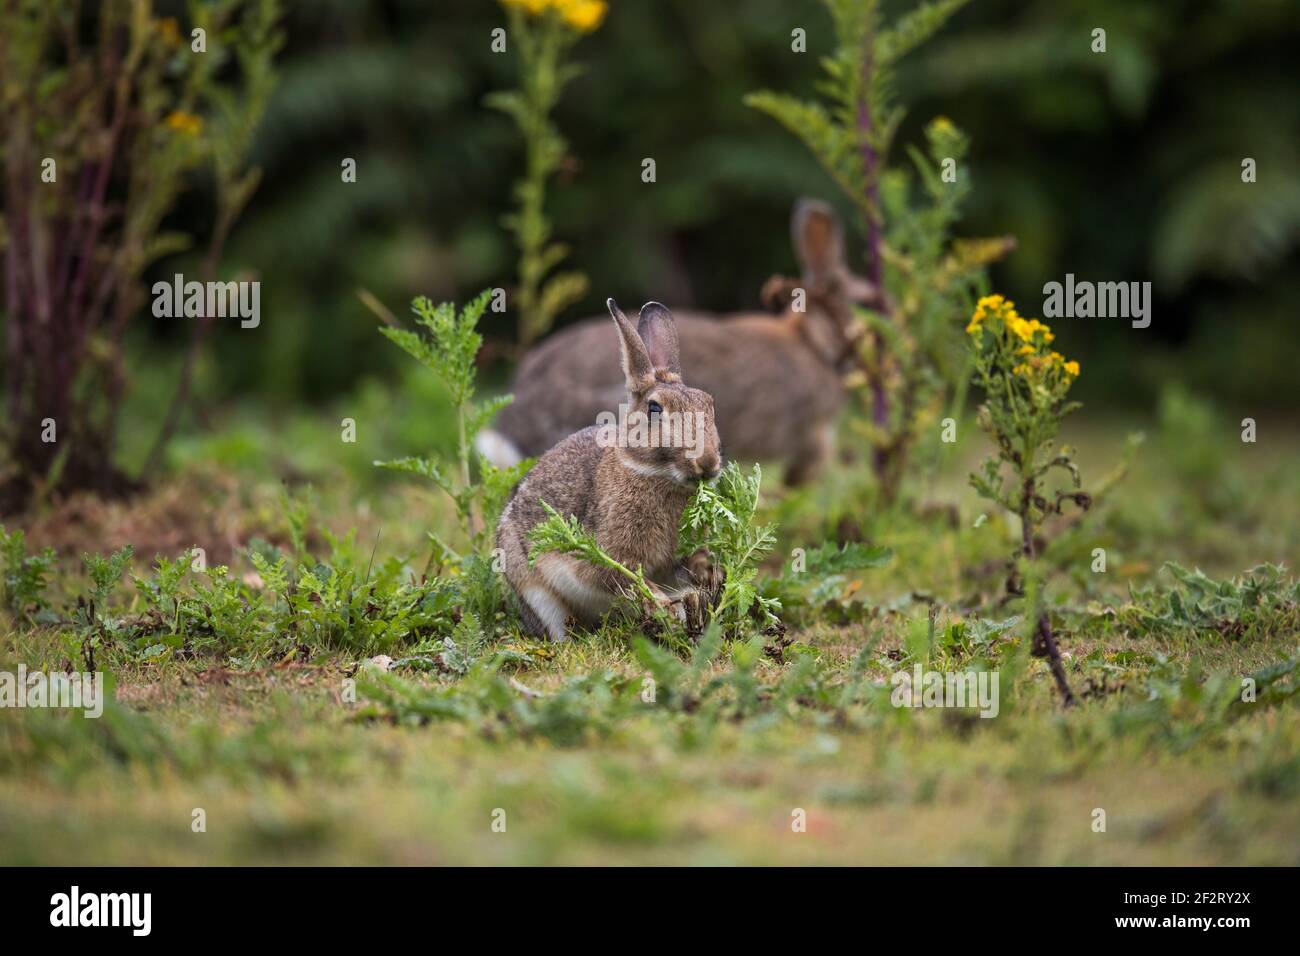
(1116, 167)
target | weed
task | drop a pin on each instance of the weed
(1026, 386)
(722, 518)
(1260, 600)
(543, 38)
(449, 351)
(911, 358)
(24, 578)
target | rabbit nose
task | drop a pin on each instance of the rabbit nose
(709, 466)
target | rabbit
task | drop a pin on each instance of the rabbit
(629, 494)
(777, 380)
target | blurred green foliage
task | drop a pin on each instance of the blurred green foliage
(1123, 166)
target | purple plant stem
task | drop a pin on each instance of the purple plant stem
(875, 271)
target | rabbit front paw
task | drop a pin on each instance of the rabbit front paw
(652, 608)
(702, 571)
(689, 608)
(695, 604)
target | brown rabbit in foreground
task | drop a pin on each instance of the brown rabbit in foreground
(776, 380)
(629, 494)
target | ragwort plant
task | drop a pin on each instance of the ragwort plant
(910, 359)
(449, 350)
(1026, 388)
(543, 32)
(98, 141)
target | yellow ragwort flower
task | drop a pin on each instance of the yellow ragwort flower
(585, 16)
(531, 7)
(982, 308)
(182, 122)
(1023, 329)
(1028, 338)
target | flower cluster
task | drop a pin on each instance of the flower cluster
(999, 332)
(1026, 385)
(584, 16)
(1025, 382)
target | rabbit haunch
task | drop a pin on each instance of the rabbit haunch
(776, 380)
(629, 497)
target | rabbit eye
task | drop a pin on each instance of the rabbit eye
(655, 408)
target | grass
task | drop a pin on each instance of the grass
(265, 741)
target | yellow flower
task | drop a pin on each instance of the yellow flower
(1025, 350)
(169, 31)
(982, 308)
(941, 124)
(1072, 368)
(1022, 328)
(531, 7)
(585, 16)
(182, 122)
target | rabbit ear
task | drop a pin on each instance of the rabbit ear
(638, 371)
(658, 330)
(818, 239)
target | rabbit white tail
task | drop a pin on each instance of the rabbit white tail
(497, 448)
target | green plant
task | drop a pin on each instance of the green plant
(719, 682)
(567, 536)
(449, 350)
(1189, 425)
(820, 574)
(543, 31)
(97, 144)
(95, 626)
(910, 359)
(722, 518)
(24, 578)
(1182, 707)
(1026, 394)
(1260, 599)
